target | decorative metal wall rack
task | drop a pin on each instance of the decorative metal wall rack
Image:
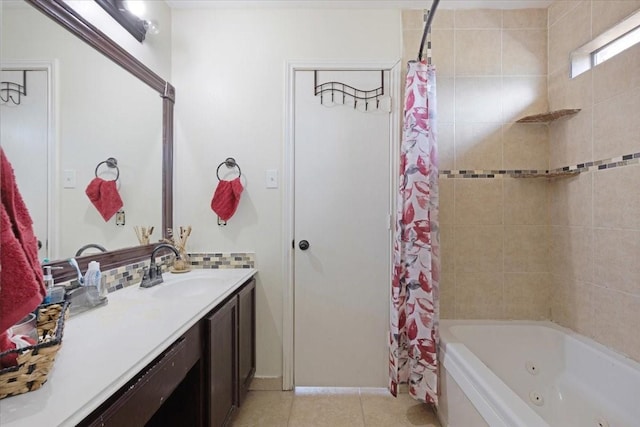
(10, 91)
(344, 91)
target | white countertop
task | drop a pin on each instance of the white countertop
(105, 347)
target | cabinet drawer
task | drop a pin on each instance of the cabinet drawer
(138, 404)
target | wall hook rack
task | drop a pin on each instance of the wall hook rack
(345, 91)
(11, 91)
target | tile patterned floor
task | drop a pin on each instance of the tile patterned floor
(332, 407)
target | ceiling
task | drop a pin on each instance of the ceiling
(357, 4)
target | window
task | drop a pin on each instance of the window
(615, 47)
(607, 45)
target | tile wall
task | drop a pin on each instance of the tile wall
(566, 249)
(595, 217)
(491, 70)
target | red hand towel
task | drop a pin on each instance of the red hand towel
(226, 198)
(6, 344)
(21, 286)
(105, 197)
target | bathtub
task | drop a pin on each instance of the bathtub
(532, 374)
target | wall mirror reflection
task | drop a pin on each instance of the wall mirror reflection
(80, 109)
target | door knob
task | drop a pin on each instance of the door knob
(304, 245)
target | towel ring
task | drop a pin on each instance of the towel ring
(111, 163)
(230, 162)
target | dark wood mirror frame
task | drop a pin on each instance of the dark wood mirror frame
(64, 15)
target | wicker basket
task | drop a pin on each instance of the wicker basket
(35, 362)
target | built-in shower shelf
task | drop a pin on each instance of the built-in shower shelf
(548, 175)
(548, 116)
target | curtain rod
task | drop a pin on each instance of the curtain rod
(427, 27)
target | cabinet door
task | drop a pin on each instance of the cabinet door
(222, 368)
(246, 338)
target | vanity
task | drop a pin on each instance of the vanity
(180, 353)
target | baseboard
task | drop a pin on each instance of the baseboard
(266, 384)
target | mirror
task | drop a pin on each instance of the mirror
(105, 104)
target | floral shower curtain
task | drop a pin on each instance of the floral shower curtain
(416, 248)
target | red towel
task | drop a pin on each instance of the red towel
(105, 197)
(7, 344)
(226, 198)
(21, 286)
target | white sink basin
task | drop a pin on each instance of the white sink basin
(188, 285)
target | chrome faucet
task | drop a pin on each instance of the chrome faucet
(90, 245)
(74, 264)
(153, 275)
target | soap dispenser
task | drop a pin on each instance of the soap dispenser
(55, 294)
(88, 296)
(93, 276)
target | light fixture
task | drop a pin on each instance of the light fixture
(152, 27)
(136, 7)
(131, 15)
(139, 9)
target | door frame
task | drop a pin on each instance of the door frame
(53, 188)
(288, 314)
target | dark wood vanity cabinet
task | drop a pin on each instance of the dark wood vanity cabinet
(199, 380)
(246, 338)
(231, 354)
(221, 363)
(138, 402)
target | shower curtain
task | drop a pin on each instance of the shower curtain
(416, 249)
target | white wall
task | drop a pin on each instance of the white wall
(229, 71)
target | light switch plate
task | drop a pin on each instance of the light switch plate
(272, 178)
(69, 178)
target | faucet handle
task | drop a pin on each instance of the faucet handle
(145, 273)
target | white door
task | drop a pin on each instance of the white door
(24, 135)
(342, 206)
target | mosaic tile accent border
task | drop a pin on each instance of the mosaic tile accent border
(486, 173)
(131, 274)
(625, 160)
(223, 260)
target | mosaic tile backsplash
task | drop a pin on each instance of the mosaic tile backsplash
(222, 260)
(131, 274)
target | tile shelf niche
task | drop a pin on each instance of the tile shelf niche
(549, 116)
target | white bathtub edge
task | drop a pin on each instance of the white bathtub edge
(496, 402)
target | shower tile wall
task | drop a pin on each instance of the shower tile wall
(492, 70)
(595, 217)
(569, 249)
